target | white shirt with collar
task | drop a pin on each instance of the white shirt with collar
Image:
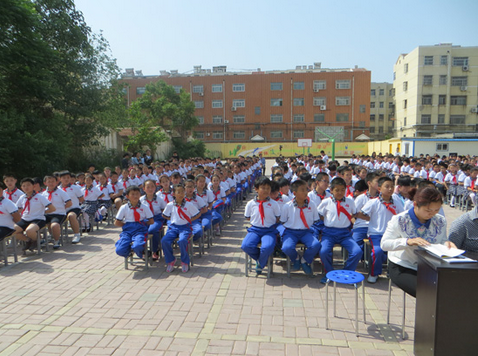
(74, 192)
(106, 190)
(58, 198)
(93, 193)
(281, 200)
(14, 196)
(126, 212)
(380, 215)
(198, 202)
(7, 208)
(157, 203)
(290, 215)
(328, 209)
(36, 211)
(172, 211)
(314, 196)
(360, 202)
(271, 212)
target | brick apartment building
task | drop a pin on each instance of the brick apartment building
(272, 106)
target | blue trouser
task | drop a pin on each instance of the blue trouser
(378, 256)
(197, 229)
(154, 230)
(343, 237)
(216, 212)
(266, 237)
(290, 238)
(206, 220)
(176, 231)
(317, 228)
(133, 237)
(279, 229)
(358, 235)
(228, 200)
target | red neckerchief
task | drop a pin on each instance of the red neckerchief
(301, 209)
(371, 197)
(151, 203)
(103, 187)
(472, 186)
(113, 186)
(166, 199)
(65, 188)
(50, 194)
(27, 203)
(320, 196)
(10, 194)
(261, 209)
(428, 174)
(87, 189)
(454, 178)
(137, 216)
(181, 212)
(349, 192)
(388, 205)
(217, 193)
(341, 209)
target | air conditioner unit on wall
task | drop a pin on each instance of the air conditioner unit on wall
(463, 88)
(233, 108)
(323, 107)
(226, 121)
(209, 134)
(201, 94)
(474, 110)
(465, 68)
(316, 90)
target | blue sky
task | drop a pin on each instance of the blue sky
(155, 35)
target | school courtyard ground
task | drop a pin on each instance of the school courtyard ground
(80, 300)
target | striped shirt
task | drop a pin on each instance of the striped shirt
(464, 231)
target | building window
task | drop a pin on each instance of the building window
(217, 119)
(257, 126)
(427, 100)
(342, 84)
(372, 117)
(459, 81)
(239, 134)
(200, 120)
(458, 100)
(372, 130)
(380, 129)
(405, 86)
(390, 116)
(199, 135)
(428, 80)
(391, 92)
(320, 85)
(460, 61)
(217, 135)
(276, 102)
(318, 101)
(216, 88)
(239, 87)
(319, 117)
(239, 119)
(361, 124)
(362, 109)
(444, 60)
(257, 110)
(381, 92)
(372, 105)
(299, 118)
(216, 104)
(372, 92)
(442, 147)
(276, 118)
(298, 133)
(404, 121)
(441, 99)
(380, 117)
(177, 88)
(405, 104)
(199, 104)
(342, 117)
(239, 103)
(298, 101)
(198, 88)
(342, 100)
(380, 105)
(457, 119)
(391, 105)
(428, 61)
(405, 67)
(441, 118)
(140, 90)
(276, 86)
(394, 75)
(443, 80)
(426, 119)
(276, 134)
(299, 86)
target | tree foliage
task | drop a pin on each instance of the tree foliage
(189, 149)
(158, 114)
(58, 86)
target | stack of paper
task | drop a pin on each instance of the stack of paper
(450, 255)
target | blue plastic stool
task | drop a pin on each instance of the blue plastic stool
(344, 277)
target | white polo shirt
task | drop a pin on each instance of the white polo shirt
(380, 215)
(91, 194)
(7, 208)
(467, 182)
(271, 212)
(158, 204)
(315, 198)
(290, 215)
(36, 209)
(58, 198)
(106, 190)
(172, 211)
(74, 192)
(198, 202)
(218, 194)
(328, 209)
(281, 200)
(167, 197)
(452, 179)
(360, 202)
(126, 212)
(117, 187)
(12, 196)
(207, 196)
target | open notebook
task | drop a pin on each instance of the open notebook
(450, 255)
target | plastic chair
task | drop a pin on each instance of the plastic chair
(344, 277)
(129, 260)
(389, 303)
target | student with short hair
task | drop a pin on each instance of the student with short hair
(317, 196)
(11, 192)
(298, 216)
(199, 203)
(9, 215)
(156, 204)
(74, 211)
(91, 194)
(208, 197)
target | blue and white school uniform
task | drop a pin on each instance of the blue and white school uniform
(156, 206)
(7, 208)
(180, 227)
(208, 198)
(337, 230)
(200, 204)
(298, 222)
(117, 187)
(135, 230)
(33, 209)
(13, 196)
(262, 229)
(166, 196)
(469, 183)
(317, 199)
(380, 213)
(360, 228)
(218, 205)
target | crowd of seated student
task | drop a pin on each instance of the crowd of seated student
(321, 203)
(188, 194)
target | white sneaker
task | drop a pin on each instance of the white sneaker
(56, 245)
(76, 239)
(372, 279)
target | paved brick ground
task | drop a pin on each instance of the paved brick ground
(81, 301)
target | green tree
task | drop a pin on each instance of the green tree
(158, 114)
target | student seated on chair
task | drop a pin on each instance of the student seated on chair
(378, 212)
(263, 213)
(337, 213)
(134, 217)
(298, 216)
(9, 215)
(181, 213)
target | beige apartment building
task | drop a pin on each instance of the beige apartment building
(436, 92)
(382, 111)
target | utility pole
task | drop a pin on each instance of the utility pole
(331, 139)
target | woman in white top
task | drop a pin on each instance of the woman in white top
(419, 226)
